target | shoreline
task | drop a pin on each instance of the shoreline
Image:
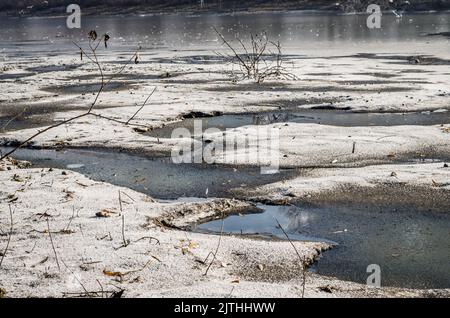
(144, 12)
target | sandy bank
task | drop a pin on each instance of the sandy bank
(158, 261)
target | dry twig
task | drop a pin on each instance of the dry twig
(9, 236)
(301, 259)
(53, 246)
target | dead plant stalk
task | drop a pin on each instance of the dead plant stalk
(301, 259)
(93, 46)
(9, 236)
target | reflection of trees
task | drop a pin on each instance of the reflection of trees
(294, 218)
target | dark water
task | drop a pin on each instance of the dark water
(295, 29)
(157, 177)
(335, 118)
(411, 246)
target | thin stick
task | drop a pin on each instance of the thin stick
(101, 286)
(242, 62)
(143, 105)
(10, 234)
(218, 245)
(302, 262)
(53, 246)
(125, 243)
(76, 278)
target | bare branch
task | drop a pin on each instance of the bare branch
(143, 105)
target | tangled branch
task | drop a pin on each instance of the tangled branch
(92, 56)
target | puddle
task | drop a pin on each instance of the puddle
(324, 117)
(157, 177)
(411, 245)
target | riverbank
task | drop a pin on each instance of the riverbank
(74, 243)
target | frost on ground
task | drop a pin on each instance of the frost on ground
(68, 240)
(72, 238)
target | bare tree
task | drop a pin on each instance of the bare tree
(259, 60)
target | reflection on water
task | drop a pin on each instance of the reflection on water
(411, 246)
(157, 177)
(295, 30)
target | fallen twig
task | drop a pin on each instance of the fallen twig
(122, 274)
(9, 236)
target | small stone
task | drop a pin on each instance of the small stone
(445, 165)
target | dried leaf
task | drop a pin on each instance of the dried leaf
(105, 213)
(92, 35)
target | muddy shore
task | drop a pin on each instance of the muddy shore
(140, 243)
